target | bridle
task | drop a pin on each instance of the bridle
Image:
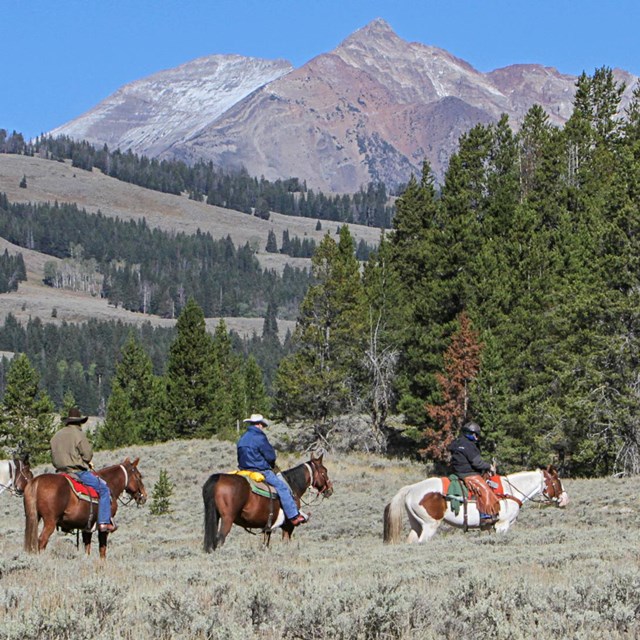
(16, 471)
(133, 495)
(319, 480)
(551, 490)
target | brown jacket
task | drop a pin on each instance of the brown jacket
(70, 449)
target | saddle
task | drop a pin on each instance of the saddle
(82, 491)
(457, 494)
(261, 488)
(257, 483)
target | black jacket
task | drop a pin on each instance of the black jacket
(465, 458)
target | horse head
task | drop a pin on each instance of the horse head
(21, 474)
(133, 482)
(320, 476)
(553, 491)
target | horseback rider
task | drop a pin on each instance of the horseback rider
(71, 452)
(255, 453)
(468, 465)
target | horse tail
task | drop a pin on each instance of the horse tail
(393, 517)
(211, 514)
(31, 515)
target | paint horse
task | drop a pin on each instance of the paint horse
(230, 499)
(14, 475)
(426, 505)
(52, 498)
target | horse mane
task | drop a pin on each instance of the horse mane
(296, 478)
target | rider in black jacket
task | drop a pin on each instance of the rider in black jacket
(468, 465)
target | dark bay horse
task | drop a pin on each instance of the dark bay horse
(14, 475)
(228, 500)
(50, 498)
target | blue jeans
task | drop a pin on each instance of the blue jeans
(289, 505)
(104, 495)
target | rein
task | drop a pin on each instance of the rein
(543, 490)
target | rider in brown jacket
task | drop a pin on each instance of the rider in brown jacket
(71, 452)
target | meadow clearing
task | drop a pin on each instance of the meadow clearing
(572, 573)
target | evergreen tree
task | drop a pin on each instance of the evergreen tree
(323, 376)
(227, 388)
(189, 406)
(132, 408)
(161, 495)
(27, 420)
(461, 366)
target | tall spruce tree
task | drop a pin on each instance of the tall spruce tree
(132, 410)
(189, 408)
(27, 421)
(323, 376)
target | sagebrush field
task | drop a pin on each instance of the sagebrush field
(556, 574)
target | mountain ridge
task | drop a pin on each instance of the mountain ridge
(370, 110)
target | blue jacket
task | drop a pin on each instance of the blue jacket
(255, 453)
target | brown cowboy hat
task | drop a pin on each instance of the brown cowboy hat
(75, 417)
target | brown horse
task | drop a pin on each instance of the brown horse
(228, 500)
(14, 475)
(50, 497)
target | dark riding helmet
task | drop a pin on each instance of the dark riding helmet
(471, 427)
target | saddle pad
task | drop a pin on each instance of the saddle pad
(257, 483)
(81, 490)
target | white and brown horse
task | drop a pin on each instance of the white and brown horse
(426, 505)
(14, 475)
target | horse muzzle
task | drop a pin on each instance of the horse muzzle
(563, 500)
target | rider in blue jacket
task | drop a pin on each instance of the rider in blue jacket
(255, 453)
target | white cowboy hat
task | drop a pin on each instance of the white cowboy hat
(257, 418)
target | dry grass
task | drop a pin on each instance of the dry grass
(571, 574)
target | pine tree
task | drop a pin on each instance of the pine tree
(26, 422)
(189, 406)
(322, 377)
(461, 366)
(132, 407)
(160, 497)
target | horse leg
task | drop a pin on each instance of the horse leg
(426, 516)
(102, 543)
(47, 531)
(86, 541)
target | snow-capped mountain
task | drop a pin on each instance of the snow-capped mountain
(372, 109)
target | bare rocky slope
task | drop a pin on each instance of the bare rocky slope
(370, 110)
(49, 181)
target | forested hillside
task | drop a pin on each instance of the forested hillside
(204, 182)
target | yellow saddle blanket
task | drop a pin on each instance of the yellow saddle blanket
(256, 476)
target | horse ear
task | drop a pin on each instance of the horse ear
(126, 460)
(135, 462)
(552, 470)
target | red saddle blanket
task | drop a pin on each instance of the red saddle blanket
(80, 488)
(494, 483)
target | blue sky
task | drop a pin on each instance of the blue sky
(58, 58)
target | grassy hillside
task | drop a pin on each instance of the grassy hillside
(557, 574)
(49, 181)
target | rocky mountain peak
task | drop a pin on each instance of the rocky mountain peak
(370, 110)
